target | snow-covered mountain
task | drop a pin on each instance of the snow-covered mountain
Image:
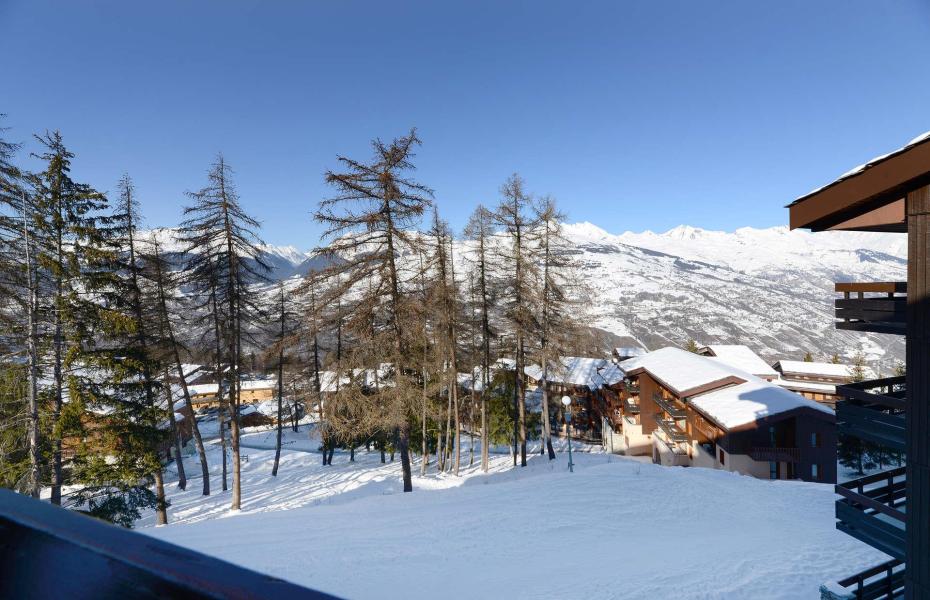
(771, 289)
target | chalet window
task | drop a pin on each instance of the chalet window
(815, 440)
(722, 461)
(773, 470)
(815, 472)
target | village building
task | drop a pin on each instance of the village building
(685, 409)
(593, 384)
(817, 380)
(740, 357)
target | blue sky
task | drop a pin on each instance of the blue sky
(634, 115)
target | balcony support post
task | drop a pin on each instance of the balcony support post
(917, 577)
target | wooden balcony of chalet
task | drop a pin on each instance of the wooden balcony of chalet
(667, 405)
(873, 509)
(674, 433)
(630, 407)
(885, 580)
(879, 307)
(775, 454)
(873, 411)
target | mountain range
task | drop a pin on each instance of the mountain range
(771, 289)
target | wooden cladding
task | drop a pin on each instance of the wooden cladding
(884, 311)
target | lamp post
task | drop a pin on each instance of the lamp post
(567, 402)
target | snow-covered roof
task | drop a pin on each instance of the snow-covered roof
(682, 371)
(258, 384)
(202, 389)
(737, 405)
(629, 351)
(740, 357)
(592, 373)
(868, 164)
(813, 369)
(806, 386)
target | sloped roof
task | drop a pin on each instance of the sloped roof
(681, 371)
(821, 368)
(745, 403)
(740, 357)
(592, 373)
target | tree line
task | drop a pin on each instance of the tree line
(408, 337)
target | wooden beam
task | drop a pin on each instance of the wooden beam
(917, 579)
(883, 287)
(878, 185)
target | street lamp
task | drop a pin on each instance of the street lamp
(567, 402)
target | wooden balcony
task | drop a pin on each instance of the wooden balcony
(873, 509)
(672, 431)
(774, 454)
(873, 411)
(91, 558)
(668, 405)
(630, 407)
(885, 580)
(879, 307)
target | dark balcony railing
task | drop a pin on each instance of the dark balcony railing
(881, 581)
(878, 307)
(51, 552)
(667, 405)
(873, 411)
(674, 433)
(873, 509)
(630, 407)
(633, 390)
(775, 454)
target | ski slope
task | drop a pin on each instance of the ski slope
(615, 528)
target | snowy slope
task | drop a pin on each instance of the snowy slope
(615, 528)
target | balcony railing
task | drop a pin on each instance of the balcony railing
(879, 307)
(873, 509)
(91, 558)
(674, 433)
(630, 407)
(669, 407)
(775, 454)
(881, 581)
(633, 390)
(873, 411)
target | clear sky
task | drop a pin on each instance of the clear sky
(634, 115)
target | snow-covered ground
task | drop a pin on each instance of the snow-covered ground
(615, 528)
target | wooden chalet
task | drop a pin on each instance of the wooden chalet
(891, 510)
(685, 409)
(593, 385)
(816, 380)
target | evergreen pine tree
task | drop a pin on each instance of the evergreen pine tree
(226, 260)
(65, 215)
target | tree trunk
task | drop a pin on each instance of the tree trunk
(522, 412)
(35, 483)
(178, 459)
(277, 445)
(195, 428)
(404, 442)
(161, 506)
(458, 424)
